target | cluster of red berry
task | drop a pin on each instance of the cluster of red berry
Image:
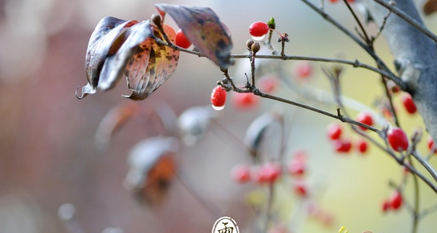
(343, 145)
(270, 172)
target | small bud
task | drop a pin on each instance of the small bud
(255, 47)
(271, 23)
(156, 19)
(249, 43)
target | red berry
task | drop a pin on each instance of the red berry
(365, 118)
(409, 104)
(362, 146)
(386, 206)
(304, 70)
(241, 173)
(300, 188)
(218, 98)
(244, 100)
(258, 29)
(431, 145)
(396, 200)
(268, 83)
(296, 167)
(267, 173)
(181, 40)
(343, 146)
(398, 139)
(334, 131)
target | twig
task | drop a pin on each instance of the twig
(384, 22)
(408, 19)
(365, 36)
(378, 60)
(425, 164)
(382, 133)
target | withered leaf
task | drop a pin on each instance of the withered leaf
(104, 41)
(204, 30)
(151, 66)
(115, 65)
(152, 168)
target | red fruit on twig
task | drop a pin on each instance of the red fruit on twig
(397, 139)
(218, 98)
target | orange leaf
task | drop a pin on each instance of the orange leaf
(151, 66)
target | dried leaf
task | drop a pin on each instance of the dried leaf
(204, 30)
(151, 168)
(151, 66)
(104, 41)
(112, 121)
(430, 7)
(115, 65)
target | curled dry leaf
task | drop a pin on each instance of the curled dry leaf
(119, 48)
(151, 169)
(151, 65)
(203, 29)
(104, 41)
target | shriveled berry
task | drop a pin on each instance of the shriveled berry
(365, 118)
(397, 139)
(334, 131)
(218, 98)
(409, 104)
(181, 40)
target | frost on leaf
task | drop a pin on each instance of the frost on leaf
(203, 29)
(104, 41)
(151, 169)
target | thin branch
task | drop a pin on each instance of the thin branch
(365, 36)
(378, 60)
(425, 164)
(427, 211)
(384, 22)
(356, 63)
(385, 148)
(408, 19)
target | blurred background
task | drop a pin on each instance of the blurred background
(47, 151)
